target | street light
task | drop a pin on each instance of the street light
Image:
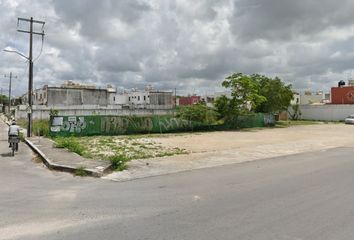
(10, 50)
(29, 125)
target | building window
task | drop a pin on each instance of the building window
(144, 98)
(138, 98)
(129, 99)
(114, 99)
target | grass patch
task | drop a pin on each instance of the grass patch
(80, 171)
(70, 143)
(120, 150)
(39, 127)
(117, 150)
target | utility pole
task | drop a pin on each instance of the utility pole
(175, 97)
(10, 77)
(30, 72)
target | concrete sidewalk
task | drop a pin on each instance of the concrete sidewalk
(63, 160)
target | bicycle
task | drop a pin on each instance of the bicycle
(14, 140)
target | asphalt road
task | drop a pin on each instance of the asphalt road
(306, 196)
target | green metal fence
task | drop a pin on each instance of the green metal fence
(120, 125)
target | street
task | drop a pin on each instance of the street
(303, 196)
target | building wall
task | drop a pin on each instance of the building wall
(190, 100)
(310, 99)
(326, 112)
(121, 98)
(139, 97)
(72, 96)
(40, 96)
(161, 98)
(42, 112)
(342, 95)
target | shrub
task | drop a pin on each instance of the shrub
(80, 171)
(118, 162)
(198, 113)
(41, 128)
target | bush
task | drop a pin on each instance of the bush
(118, 162)
(197, 113)
(80, 171)
(39, 127)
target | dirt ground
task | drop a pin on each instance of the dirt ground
(220, 148)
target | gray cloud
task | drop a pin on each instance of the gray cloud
(191, 46)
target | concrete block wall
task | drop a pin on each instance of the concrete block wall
(326, 112)
(43, 112)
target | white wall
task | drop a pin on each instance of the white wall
(121, 98)
(309, 99)
(327, 112)
(139, 97)
(42, 112)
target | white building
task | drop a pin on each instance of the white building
(210, 98)
(148, 98)
(312, 98)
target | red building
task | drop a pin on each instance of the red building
(189, 100)
(342, 95)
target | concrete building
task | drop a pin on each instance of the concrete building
(147, 99)
(312, 98)
(75, 99)
(189, 100)
(342, 95)
(70, 94)
(210, 98)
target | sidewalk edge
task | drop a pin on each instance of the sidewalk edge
(58, 167)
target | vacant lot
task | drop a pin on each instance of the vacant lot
(219, 148)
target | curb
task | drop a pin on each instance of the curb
(64, 168)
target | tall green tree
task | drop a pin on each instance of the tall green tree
(244, 99)
(278, 95)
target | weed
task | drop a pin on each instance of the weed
(118, 162)
(70, 143)
(39, 127)
(80, 171)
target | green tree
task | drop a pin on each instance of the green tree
(198, 113)
(3, 99)
(244, 97)
(277, 94)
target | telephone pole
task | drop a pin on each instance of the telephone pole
(10, 77)
(30, 72)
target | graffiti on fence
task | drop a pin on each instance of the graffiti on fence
(115, 125)
(121, 125)
(74, 125)
(170, 124)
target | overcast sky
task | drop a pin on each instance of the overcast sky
(183, 44)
